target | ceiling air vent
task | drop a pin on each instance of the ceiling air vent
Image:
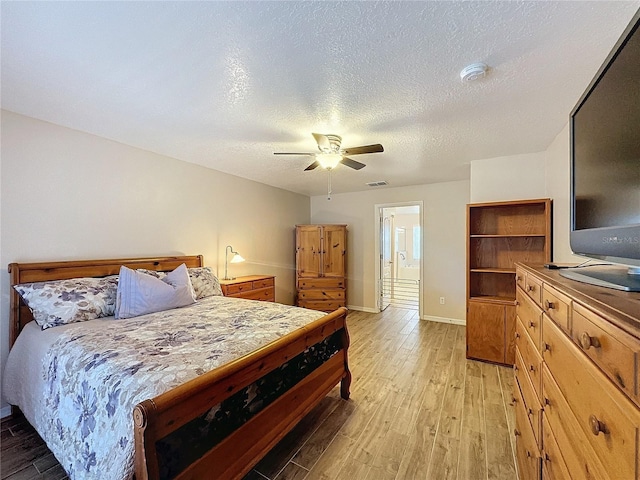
(379, 183)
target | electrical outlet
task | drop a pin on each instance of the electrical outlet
(441, 300)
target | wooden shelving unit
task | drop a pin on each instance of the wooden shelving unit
(499, 235)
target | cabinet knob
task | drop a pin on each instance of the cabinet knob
(549, 305)
(547, 458)
(514, 400)
(532, 325)
(547, 402)
(518, 278)
(530, 412)
(516, 432)
(532, 368)
(546, 347)
(587, 341)
(517, 335)
(596, 425)
(530, 288)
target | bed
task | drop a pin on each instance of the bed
(221, 420)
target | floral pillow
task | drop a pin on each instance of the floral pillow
(59, 302)
(204, 282)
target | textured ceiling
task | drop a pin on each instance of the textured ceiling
(226, 84)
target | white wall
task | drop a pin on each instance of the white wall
(444, 228)
(515, 177)
(71, 195)
(534, 175)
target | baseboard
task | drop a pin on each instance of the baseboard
(454, 321)
(5, 411)
(363, 309)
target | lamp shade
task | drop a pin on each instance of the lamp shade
(237, 258)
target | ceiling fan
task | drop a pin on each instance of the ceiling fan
(331, 154)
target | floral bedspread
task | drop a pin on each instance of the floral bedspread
(96, 376)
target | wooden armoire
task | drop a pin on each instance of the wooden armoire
(321, 264)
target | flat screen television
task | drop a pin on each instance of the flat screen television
(605, 168)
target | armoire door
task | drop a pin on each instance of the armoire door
(308, 251)
(334, 248)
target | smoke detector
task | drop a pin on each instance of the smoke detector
(473, 72)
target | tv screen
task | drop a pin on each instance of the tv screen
(605, 158)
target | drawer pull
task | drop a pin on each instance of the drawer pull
(549, 305)
(514, 400)
(517, 335)
(587, 341)
(518, 278)
(529, 411)
(516, 432)
(532, 368)
(546, 347)
(532, 325)
(547, 401)
(530, 288)
(596, 425)
(547, 458)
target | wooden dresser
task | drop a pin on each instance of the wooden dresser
(576, 392)
(321, 252)
(252, 287)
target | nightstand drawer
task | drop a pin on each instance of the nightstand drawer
(264, 294)
(263, 283)
(238, 287)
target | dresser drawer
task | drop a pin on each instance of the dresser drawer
(608, 419)
(530, 356)
(322, 305)
(527, 453)
(531, 317)
(611, 349)
(324, 294)
(264, 294)
(532, 406)
(557, 306)
(238, 287)
(263, 283)
(305, 283)
(552, 460)
(533, 288)
(560, 423)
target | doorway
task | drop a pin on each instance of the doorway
(399, 255)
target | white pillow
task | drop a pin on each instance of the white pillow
(139, 293)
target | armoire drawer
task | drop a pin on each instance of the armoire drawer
(322, 282)
(608, 419)
(321, 294)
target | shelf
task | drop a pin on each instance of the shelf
(510, 271)
(493, 299)
(515, 235)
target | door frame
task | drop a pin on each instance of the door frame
(377, 214)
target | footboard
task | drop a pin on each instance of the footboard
(166, 415)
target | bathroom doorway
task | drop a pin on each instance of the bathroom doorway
(399, 255)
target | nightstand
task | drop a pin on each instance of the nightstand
(252, 287)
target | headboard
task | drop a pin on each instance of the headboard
(20, 315)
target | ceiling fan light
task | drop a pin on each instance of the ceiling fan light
(328, 160)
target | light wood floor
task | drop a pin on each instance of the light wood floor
(418, 409)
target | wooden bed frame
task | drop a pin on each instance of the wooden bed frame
(157, 417)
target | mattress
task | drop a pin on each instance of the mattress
(77, 384)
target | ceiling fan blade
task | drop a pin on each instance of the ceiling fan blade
(312, 166)
(349, 162)
(323, 141)
(295, 153)
(377, 148)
